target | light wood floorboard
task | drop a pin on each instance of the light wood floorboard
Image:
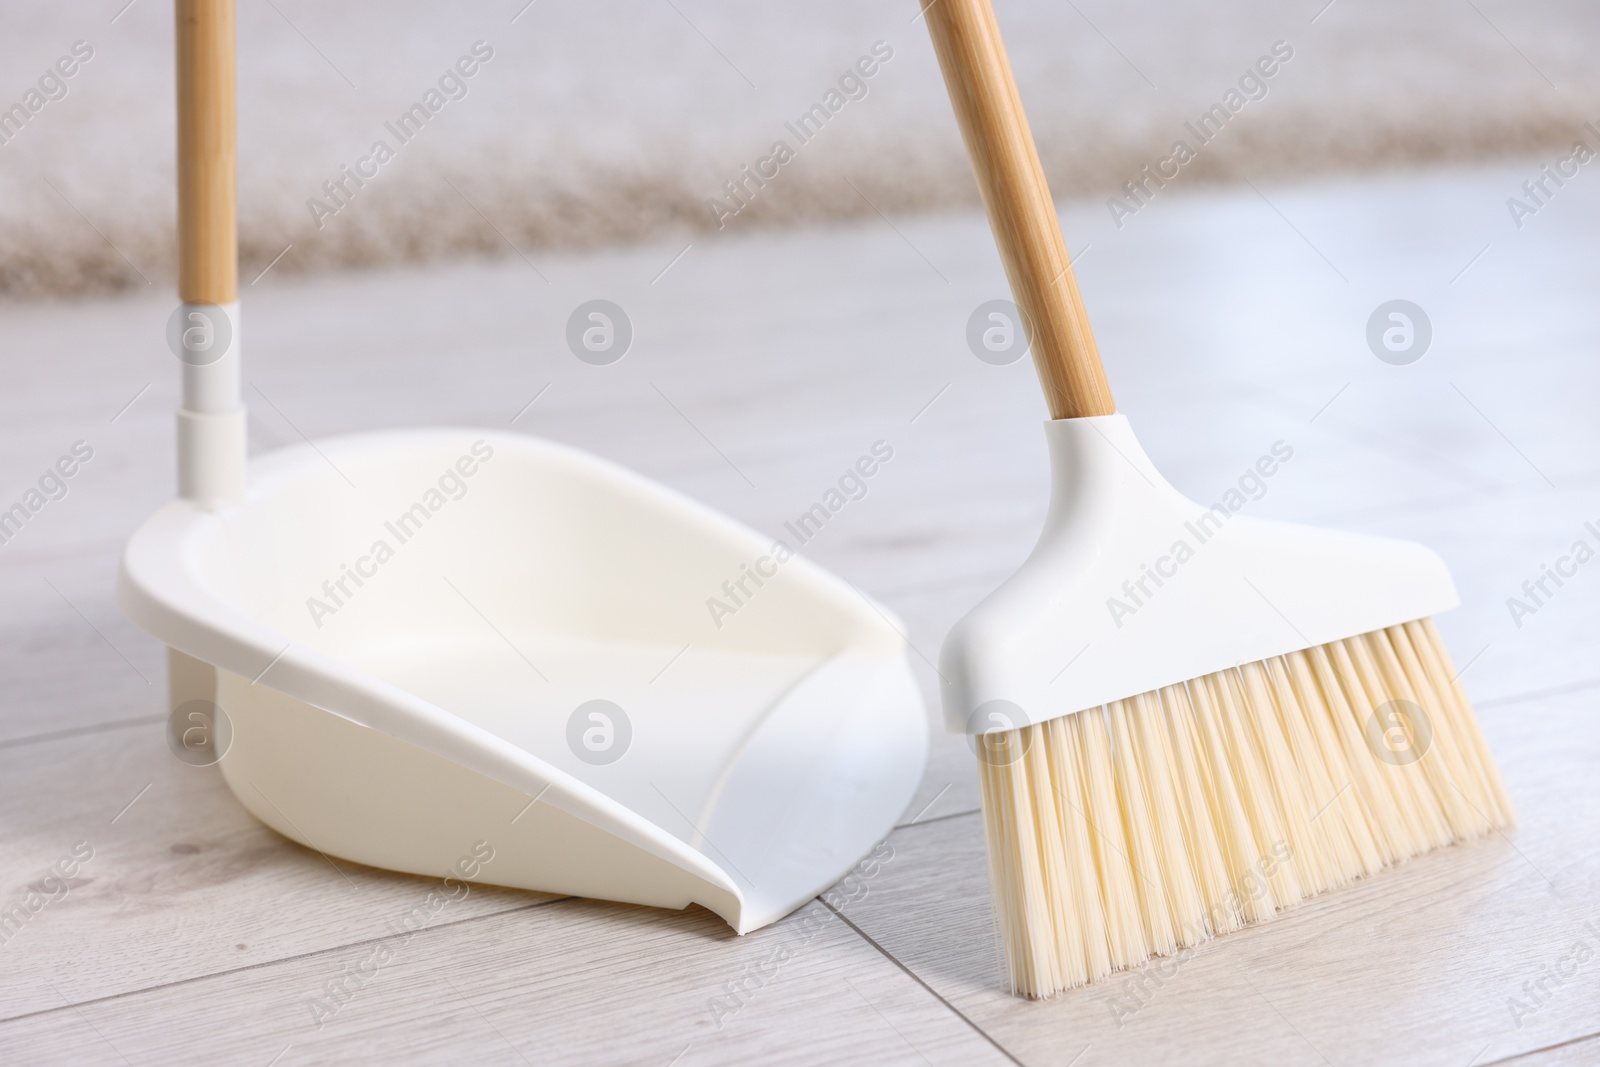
(763, 366)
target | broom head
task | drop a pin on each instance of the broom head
(1187, 719)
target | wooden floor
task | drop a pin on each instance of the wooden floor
(762, 367)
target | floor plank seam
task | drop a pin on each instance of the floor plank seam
(915, 977)
(275, 962)
(79, 731)
(1541, 1051)
(1538, 694)
(985, 579)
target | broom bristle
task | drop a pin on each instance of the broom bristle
(1153, 823)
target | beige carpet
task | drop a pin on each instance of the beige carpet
(606, 121)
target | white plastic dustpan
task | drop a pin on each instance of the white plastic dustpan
(473, 654)
(466, 595)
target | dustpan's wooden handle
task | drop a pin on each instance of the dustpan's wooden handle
(978, 76)
(207, 242)
(211, 417)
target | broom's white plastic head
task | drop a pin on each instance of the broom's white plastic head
(1188, 719)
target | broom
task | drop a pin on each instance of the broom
(1186, 720)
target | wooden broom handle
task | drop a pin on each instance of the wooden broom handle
(1021, 213)
(208, 253)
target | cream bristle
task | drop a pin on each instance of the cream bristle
(1156, 822)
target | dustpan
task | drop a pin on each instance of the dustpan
(479, 655)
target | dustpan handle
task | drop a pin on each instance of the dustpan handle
(207, 243)
(1021, 213)
(211, 417)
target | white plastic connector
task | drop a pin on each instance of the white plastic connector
(211, 457)
(1132, 587)
(211, 417)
